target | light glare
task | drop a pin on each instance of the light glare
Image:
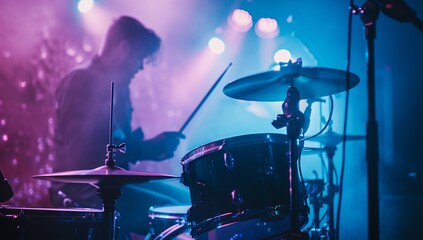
(267, 28)
(216, 45)
(85, 6)
(282, 55)
(240, 20)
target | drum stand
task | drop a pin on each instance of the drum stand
(109, 192)
(315, 190)
(293, 119)
(329, 231)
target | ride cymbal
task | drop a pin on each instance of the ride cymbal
(273, 85)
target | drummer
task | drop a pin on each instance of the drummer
(82, 126)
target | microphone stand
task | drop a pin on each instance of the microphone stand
(369, 13)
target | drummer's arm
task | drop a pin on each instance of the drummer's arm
(159, 148)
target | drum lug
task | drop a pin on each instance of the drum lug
(229, 160)
(186, 179)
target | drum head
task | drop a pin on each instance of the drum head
(168, 222)
(233, 142)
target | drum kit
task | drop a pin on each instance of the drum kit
(244, 187)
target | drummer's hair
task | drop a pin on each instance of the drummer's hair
(127, 28)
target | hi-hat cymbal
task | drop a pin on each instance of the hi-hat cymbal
(273, 85)
(332, 139)
(115, 175)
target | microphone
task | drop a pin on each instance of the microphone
(6, 191)
(400, 11)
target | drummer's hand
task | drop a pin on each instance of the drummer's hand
(162, 146)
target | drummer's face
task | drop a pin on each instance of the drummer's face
(134, 63)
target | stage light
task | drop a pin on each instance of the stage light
(216, 45)
(267, 28)
(240, 20)
(289, 19)
(85, 6)
(282, 55)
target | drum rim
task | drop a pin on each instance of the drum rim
(235, 141)
(229, 218)
(152, 214)
(51, 209)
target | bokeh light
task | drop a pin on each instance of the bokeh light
(240, 20)
(216, 45)
(84, 6)
(267, 28)
(289, 19)
(282, 55)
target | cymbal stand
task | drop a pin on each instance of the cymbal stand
(315, 190)
(293, 119)
(330, 148)
(110, 191)
(332, 189)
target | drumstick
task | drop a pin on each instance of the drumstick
(203, 100)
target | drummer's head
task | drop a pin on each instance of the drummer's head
(129, 44)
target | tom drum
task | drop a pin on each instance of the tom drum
(239, 188)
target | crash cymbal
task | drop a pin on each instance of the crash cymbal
(272, 85)
(115, 175)
(332, 139)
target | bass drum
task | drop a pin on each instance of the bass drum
(239, 188)
(49, 223)
(168, 222)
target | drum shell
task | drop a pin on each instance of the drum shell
(168, 222)
(246, 175)
(49, 223)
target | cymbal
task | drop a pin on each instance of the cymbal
(332, 139)
(115, 175)
(273, 85)
(311, 150)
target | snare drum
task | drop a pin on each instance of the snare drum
(49, 223)
(168, 222)
(240, 187)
